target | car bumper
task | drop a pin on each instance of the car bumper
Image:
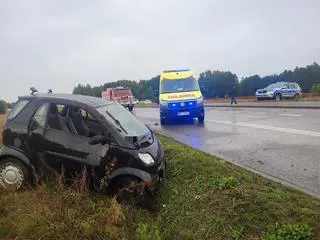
(265, 96)
(158, 177)
(168, 113)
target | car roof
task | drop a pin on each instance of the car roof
(81, 99)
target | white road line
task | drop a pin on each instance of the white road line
(290, 115)
(270, 128)
(257, 126)
(260, 113)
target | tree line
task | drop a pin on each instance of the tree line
(216, 83)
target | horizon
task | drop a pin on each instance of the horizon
(62, 44)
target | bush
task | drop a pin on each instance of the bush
(290, 232)
(315, 88)
(3, 106)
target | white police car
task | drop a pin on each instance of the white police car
(279, 90)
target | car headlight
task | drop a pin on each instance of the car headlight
(163, 103)
(146, 158)
(200, 100)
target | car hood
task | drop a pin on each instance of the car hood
(141, 141)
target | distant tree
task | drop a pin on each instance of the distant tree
(315, 88)
(214, 83)
(9, 105)
(3, 106)
(217, 83)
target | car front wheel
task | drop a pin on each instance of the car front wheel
(201, 119)
(278, 97)
(130, 190)
(13, 174)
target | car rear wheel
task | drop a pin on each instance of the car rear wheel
(278, 97)
(13, 174)
(296, 96)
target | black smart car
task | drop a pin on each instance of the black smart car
(50, 132)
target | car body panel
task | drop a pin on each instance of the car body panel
(45, 148)
(180, 95)
(284, 89)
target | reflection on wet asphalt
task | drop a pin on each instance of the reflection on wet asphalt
(280, 143)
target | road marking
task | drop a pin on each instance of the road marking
(260, 113)
(290, 115)
(257, 126)
(270, 128)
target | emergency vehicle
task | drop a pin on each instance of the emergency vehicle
(120, 95)
(180, 96)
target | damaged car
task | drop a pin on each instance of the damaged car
(46, 133)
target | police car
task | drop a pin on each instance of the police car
(279, 91)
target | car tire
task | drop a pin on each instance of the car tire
(278, 97)
(162, 121)
(201, 119)
(296, 97)
(125, 189)
(131, 190)
(14, 175)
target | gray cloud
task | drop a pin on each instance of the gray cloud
(57, 44)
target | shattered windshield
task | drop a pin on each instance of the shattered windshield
(123, 120)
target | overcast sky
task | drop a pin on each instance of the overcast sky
(58, 44)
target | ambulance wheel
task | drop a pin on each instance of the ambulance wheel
(201, 119)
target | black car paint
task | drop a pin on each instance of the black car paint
(37, 145)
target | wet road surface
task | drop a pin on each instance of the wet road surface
(281, 144)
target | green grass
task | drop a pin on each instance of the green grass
(202, 197)
(146, 105)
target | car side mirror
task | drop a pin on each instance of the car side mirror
(99, 139)
(284, 87)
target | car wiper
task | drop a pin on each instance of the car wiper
(117, 122)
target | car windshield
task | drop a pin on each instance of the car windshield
(179, 85)
(123, 120)
(273, 86)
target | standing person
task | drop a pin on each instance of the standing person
(233, 94)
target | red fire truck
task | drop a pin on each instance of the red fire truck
(121, 95)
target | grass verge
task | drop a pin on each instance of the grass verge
(202, 197)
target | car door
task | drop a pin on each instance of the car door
(293, 89)
(285, 91)
(59, 149)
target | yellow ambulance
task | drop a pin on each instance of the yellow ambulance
(180, 96)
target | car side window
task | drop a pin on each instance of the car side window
(285, 86)
(292, 86)
(84, 124)
(41, 114)
(87, 116)
(57, 119)
(17, 108)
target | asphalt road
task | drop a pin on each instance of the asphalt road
(281, 144)
(270, 103)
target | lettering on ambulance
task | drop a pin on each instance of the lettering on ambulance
(181, 96)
